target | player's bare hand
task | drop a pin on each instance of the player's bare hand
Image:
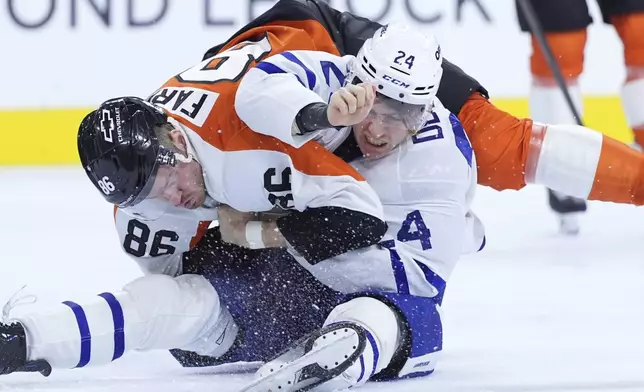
(351, 104)
(232, 224)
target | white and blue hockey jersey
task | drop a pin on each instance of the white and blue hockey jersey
(426, 185)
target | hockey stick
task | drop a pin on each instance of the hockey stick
(565, 205)
(537, 31)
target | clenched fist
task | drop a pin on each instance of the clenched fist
(351, 104)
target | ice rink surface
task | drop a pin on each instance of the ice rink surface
(532, 312)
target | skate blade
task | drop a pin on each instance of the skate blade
(569, 224)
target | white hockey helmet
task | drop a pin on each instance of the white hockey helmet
(402, 63)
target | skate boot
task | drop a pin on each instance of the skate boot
(329, 359)
(568, 210)
(13, 351)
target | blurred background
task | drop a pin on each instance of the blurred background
(62, 57)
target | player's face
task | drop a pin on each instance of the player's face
(381, 131)
(181, 185)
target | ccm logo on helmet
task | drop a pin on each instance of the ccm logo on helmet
(395, 81)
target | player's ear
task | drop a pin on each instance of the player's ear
(178, 139)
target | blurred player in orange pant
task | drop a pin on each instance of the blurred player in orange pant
(565, 24)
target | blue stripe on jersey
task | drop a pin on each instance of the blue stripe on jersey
(85, 336)
(119, 324)
(462, 142)
(435, 280)
(310, 76)
(271, 68)
(327, 67)
(400, 275)
(376, 352)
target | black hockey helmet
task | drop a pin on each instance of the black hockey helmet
(120, 151)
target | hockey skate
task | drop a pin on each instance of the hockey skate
(324, 361)
(13, 351)
(568, 210)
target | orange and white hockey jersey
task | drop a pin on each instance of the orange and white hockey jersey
(243, 169)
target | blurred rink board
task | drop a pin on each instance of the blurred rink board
(67, 56)
(48, 137)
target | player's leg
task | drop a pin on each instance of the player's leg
(271, 297)
(275, 300)
(627, 16)
(619, 171)
(379, 336)
(564, 24)
(152, 312)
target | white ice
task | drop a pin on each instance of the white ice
(533, 312)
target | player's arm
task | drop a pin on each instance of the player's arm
(571, 159)
(316, 234)
(335, 210)
(330, 207)
(348, 216)
(290, 89)
(349, 32)
(158, 245)
(250, 230)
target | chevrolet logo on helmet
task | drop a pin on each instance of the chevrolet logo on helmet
(107, 125)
